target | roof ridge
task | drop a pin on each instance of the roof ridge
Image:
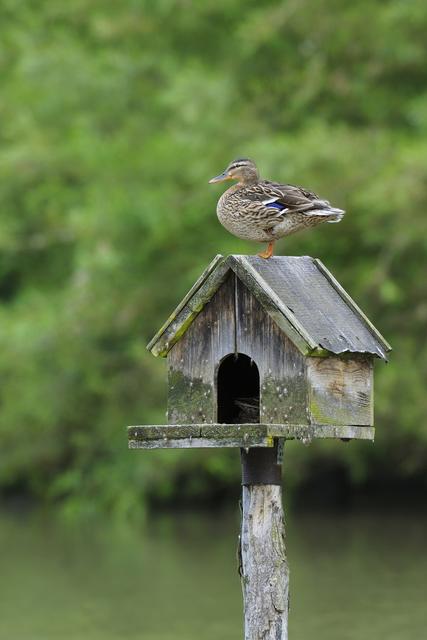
(340, 327)
(281, 306)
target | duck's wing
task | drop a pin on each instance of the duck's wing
(293, 197)
(268, 203)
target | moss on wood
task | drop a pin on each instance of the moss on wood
(237, 435)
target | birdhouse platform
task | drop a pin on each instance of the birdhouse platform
(265, 349)
(200, 436)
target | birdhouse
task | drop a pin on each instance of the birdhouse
(265, 349)
(261, 351)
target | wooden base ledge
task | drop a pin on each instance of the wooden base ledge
(193, 436)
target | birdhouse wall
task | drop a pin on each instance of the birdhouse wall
(340, 390)
(284, 393)
(234, 322)
(192, 360)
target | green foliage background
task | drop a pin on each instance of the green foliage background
(113, 116)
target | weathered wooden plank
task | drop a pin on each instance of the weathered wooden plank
(283, 394)
(264, 567)
(221, 321)
(155, 432)
(193, 360)
(351, 303)
(306, 433)
(331, 322)
(272, 304)
(238, 435)
(340, 390)
(234, 431)
(201, 443)
(189, 308)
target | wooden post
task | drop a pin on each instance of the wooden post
(264, 568)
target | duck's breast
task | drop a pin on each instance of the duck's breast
(231, 215)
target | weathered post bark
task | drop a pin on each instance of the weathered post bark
(264, 567)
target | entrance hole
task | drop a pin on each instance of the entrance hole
(238, 390)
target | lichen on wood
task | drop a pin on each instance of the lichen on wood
(237, 435)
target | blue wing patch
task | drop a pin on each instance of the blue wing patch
(276, 205)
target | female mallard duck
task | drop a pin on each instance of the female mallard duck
(264, 211)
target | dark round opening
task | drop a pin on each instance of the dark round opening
(238, 390)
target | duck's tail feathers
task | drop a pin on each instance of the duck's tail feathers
(337, 215)
(329, 213)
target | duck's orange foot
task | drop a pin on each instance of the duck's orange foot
(268, 252)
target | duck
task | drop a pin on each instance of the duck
(264, 211)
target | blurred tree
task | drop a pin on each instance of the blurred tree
(113, 117)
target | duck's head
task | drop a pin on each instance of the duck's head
(242, 169)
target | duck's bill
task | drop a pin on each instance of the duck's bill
(222, 176)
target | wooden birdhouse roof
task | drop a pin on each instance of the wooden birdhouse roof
(300, 295)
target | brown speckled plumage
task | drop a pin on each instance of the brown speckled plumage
(264, 211)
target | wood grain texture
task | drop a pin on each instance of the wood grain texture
(298, 293)
(264, 568)
(193, 361)
(201, 443)
(190, 307)
(340, 391)
(332, 320)
(237, 435)
(271, 303)
(283, 397)
(351, 303)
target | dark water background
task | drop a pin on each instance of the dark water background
(354, 577)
